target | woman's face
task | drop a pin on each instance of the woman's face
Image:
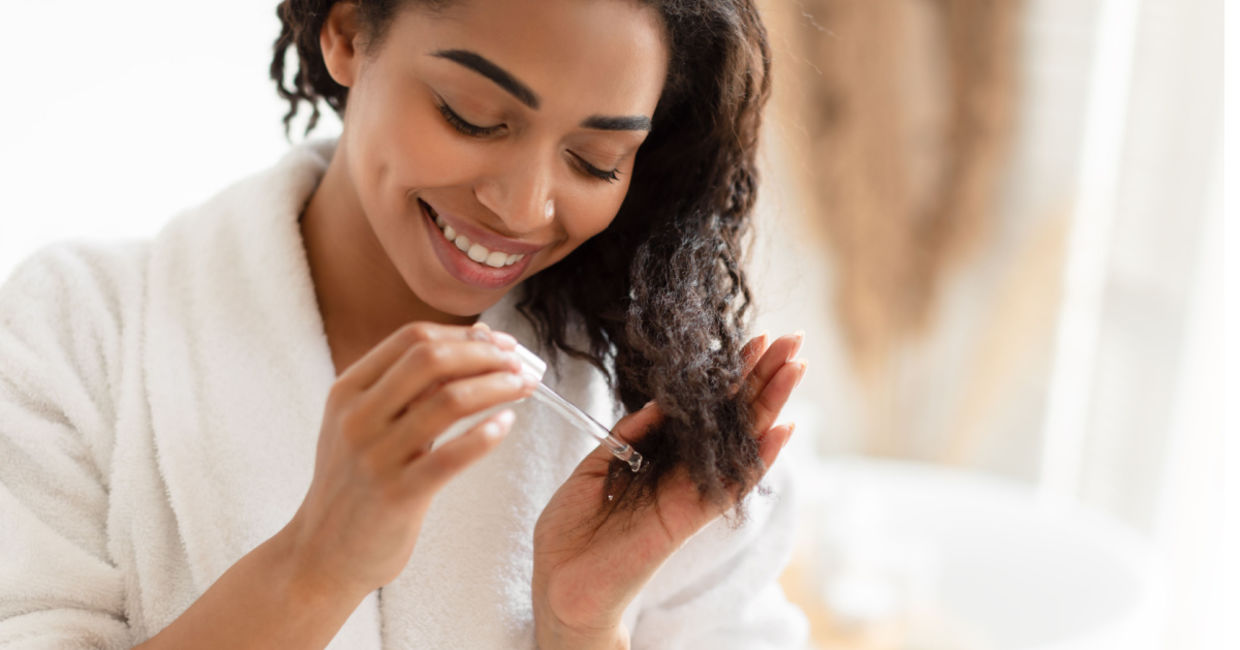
(487, 141)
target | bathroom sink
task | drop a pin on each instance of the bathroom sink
(903, 555)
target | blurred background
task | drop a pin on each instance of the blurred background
(1000, 222)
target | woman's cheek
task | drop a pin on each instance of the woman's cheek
(418, 149)
(404, 146)
(598, 214)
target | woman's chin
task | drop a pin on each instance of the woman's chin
(456, 305)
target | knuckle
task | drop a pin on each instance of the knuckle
(434, 357)
(455, 398)
(416, 332)
(353, 426)
(338, 394)
(433, 466)
(478, 333)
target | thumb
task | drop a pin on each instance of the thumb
(634, 426)
(630, 429)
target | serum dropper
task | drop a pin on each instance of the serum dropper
(534, 367)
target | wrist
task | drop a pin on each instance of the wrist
(552, 632)
(555, 636)
(305, 580)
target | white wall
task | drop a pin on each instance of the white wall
(118, 115)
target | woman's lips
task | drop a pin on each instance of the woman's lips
(482, 236)
(460, 266)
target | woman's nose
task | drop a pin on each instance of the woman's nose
(521, 195)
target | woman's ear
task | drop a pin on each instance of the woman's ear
(340, 41)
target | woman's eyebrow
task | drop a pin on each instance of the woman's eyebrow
(627, 123)
(522, 92)
(486, 68)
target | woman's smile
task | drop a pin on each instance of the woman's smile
(473, 255)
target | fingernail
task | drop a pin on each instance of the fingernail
(801, 374)
(792, 426)
(493, 430)
(504, 340)
(516, 379)
(799, 335)
(497, 427)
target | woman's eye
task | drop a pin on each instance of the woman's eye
(474, 130)
(461, 125)
(607, 175)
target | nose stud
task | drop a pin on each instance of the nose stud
(549, 209)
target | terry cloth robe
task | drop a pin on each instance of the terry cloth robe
(160, 404)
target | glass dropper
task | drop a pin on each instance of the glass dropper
(588, 426)
(534, 367)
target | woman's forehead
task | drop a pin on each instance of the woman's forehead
(607, 55)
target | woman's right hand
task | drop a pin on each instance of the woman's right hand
(375, 473)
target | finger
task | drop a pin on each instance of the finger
(366, 371)
(630, 429)
(427, 365)
(753, 351)
(634, 426)
(443, 406)
(749, 357)
(768, 403)
(504, 340)
(772, 442)
(431, 471)
(780, 352)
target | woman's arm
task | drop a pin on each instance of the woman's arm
(271, 598)
(59, 585)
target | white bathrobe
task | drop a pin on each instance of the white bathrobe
(160, 404)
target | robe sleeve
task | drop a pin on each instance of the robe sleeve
(59, 344)
(721, 590)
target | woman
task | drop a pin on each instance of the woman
(574, 175)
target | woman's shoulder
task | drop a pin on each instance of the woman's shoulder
(68, 311)
(66, 308)
(71, 278)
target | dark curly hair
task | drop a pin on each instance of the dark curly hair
(662, 292)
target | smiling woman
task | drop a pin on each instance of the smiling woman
(614, 152)
(573, 175)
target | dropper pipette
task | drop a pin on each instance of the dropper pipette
(588, 425)
(534, 367)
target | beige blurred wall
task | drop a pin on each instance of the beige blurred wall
(970, 382)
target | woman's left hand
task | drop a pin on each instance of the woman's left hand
(585, 578)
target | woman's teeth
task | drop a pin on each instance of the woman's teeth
(477, 252)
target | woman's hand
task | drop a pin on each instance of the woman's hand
(584, 579)
(375, 472)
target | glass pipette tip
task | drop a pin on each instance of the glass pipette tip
(589, 426)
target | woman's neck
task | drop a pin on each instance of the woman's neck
(361, 296)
